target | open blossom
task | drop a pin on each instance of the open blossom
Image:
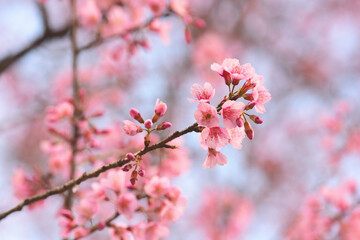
(230, 112)
(206, 115)
(263, 96)
(85, 210)
(237, 135)
(214, 157)
(89, 13)
(232, 71)
(215, 138)
(202, 94)
(157, 186)
(131, 128)
(127, 204)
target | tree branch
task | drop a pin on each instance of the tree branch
(85, 176)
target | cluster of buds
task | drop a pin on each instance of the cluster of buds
(235, 119)
(132, 129)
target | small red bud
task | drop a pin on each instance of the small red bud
(240, 122)
(248, 130)
(227, 76)
(250, 105)
(141, 173)
(126, 168)
(163, 126)
(101, 226)
(148, 124)
(130, 156)
(256, 119)
(136, 115)
(248, 97)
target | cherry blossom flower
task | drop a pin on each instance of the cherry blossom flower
(131, 128)
(157, 186)
(214, 157)
(230, 112)
(215, 138)
(206, 115)
(127, 204)
(232, 71)
(237, 135)
(202, 94)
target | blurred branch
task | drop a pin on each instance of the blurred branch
(77, 109)
(47, 35)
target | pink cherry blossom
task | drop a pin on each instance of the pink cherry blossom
(215, 138)
(85, 210)
(202, 94)
(157, 186)
(206, 115)
(89, 13)
(237, 135)
(127, 204)
(260, 96)
(214, 157)
(232, 71)
(230, 112)
(131, 128)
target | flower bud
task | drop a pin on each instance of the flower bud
(148, 124)
(126, 168)
(163, 126)
(227, 76)
(101, 226)
(240, 122)
(136, 115)
(250, 105)
(134, 177)
(141, 173)
(199, 22)
(248, 130)
(256, 119)
(249, 97)
(235, 81)
(130, 156)
(160, 109)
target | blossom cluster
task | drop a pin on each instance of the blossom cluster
(331, 213)
(234, 116)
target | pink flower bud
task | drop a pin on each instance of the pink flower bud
(256, 119)
(136, 115)
(227, 77)
(163, 126)
(249, 97)
(126, 168)
(250, 105)
(148, 124)
(134, 178)
(131, 128)
(130, 156)
(98, 113)
(248, 130)
(101, 226)
(240, 122)
(141, 173)
(160, 109)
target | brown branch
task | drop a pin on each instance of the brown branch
(47, 35)
(85, 176)
(76, 98)
(99, 40)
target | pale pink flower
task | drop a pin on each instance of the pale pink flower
(127, 204)
(115, 180)
(260, 96)
(22, 186)
(172, 211)
(89, 13)
(85, 210)
(60, 111)
(157, 187)
(81, 232)
(157, 6)
(206, 115)
(119, 231)
(215, 138)
(237, 135)
(230, 112)
(214, 157)
(232, 71)
(202, 94)
(162, 28)
(131, 128)
(180, 7)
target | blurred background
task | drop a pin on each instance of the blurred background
(307, 51)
